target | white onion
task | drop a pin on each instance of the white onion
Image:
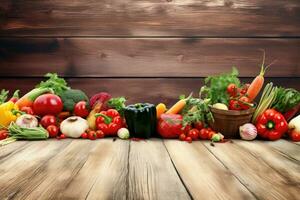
(27, 121)
(248, 131)
(74, 126)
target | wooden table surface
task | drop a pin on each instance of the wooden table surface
(152, 169)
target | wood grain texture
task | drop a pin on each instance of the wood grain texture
(151, 169)
(19, 168)
(150, 18)
(163, 57)
(103, 175)
(257, 175)
(277, 161)
(287, 148)
(203, 174)
(153, 90)
(151, 173)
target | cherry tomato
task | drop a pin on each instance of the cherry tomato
(3, 134)
(84, 135)
(194, 134)
(186, 129)
(244, 89)
(27, 110)
(234, 105)
(62, 136)
(81, 109)
(182, 137)
(203, 134)
(188, 139)
(52, 130)
(210, 134)
(295, 136)
(48, 120)
(243, 101)
(232, 89)
(92, 135)
(199, 125)
(100, 134)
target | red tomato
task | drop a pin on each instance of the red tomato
(194, 134)
(27, 110)
(199, 125)
(48, 120)
(62, 136)
(47, 104)
(295, 136)
(81, 109)
(232, 89)
(189, 139)
(243, 101)
(244, 89)
(52, 130)
(210, 134)
(203, 134)
(187, 128)
(92, 135)
(84, 135)
(234, 105)
(100, 134)
(3, 134)
(182, 137)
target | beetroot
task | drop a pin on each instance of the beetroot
(101, 97)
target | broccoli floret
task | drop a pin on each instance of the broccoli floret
(71, 97)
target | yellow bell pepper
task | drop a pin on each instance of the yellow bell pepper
(8, 113)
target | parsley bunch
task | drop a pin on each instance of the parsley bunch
(215, 87)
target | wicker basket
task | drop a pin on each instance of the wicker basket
(228, 122)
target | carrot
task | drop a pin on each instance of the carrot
(160, 109)
(177, 107)
(28, 99)
(257, 84)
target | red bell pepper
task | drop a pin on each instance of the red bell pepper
(170, 126)
(109, 122)
(271, 125)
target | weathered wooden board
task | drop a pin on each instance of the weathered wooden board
(103, 175)
(287, 148)
(151, 173)
(255, 173)
(18, 171)
(203, 174)
(153, 90)
(150, 169)
(277, 161)
(150, 18)
(160, 57)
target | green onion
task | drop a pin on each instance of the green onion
(266, 100)
(18, 133)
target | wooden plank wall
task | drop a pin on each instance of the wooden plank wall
(148, 50)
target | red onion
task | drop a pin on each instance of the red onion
(248, 131)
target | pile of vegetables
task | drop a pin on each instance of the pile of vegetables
(55, 110)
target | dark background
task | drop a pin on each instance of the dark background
(146, 50)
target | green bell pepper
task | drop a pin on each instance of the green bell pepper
(141, 119)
